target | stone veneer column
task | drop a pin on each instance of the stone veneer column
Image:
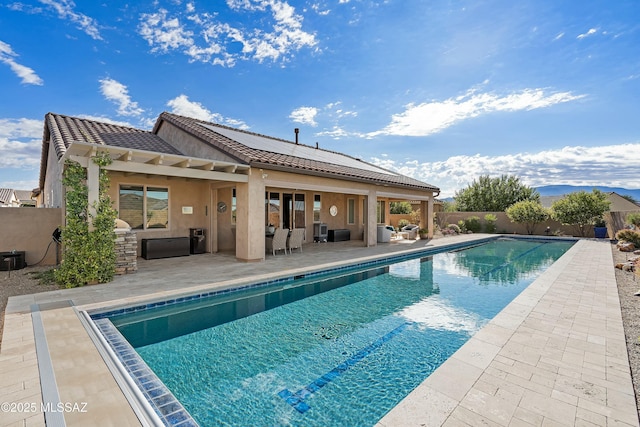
(126, 251)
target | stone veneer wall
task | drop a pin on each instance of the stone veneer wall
(126, 251)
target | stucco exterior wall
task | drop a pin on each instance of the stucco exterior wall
(190, 145)
(52, 196)
(186, 193)
(30, 230)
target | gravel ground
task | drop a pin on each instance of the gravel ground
(26, 281)
(628, 285)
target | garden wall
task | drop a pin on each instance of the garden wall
(30, 230)
(505, 226)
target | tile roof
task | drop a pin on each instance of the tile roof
(256, 157)
(62, 130)
(6, 195)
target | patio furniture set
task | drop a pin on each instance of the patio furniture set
(285, 240)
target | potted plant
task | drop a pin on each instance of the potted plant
(600, 229)
(424, 233)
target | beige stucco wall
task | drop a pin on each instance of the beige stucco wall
(182, 193)
(30, 230)
(51, 196)
(189, 145)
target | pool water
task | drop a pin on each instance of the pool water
(336, 351)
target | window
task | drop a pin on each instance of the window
(351, 211)
(144, 207)
(273, 209)
(316, 208)
(380, 212)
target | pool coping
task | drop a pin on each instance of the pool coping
(18, 355)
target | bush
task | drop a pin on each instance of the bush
(472, 224)
(528, 212)
(490, 223)
(631, 236)
(402, 223)
(633, 218)
(580, 209)
(451, 229)
(89, 253)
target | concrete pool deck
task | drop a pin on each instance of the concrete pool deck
(555, 356)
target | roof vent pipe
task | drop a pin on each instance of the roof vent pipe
(296, 130)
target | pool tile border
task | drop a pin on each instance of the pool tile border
(101, 313)
(163, 402)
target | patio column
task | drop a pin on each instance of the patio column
(426, 220)
(370, 219)
(250, 240)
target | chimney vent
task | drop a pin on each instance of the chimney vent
(296, 130)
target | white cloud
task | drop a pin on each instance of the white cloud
(332, 112)
(202, 37)
(591, 32)
(181, 105)
(164, 34)
(20, 143)
(65, 10)
(610, 165)
(27, 75)
(335, 132)
(119, 94)
(305, 115)
(433, 117)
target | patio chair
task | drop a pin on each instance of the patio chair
(411, 230)
(296, 238)
(279, 241)
(384, 234)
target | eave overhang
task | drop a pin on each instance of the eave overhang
(154, 163)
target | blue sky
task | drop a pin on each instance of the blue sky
(444, 91)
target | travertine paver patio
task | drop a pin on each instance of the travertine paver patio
(555, 356)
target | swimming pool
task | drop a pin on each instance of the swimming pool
(336, 349)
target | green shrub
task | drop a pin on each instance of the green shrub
(403, 222)
(633, 218)
(89, 252)
(490, 223)
(631, 236)
(528, 212)
(472, 224)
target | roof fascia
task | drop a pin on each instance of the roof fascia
(268, 166)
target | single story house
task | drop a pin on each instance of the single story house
(8, 198)
(618, 203)
(188, 173)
